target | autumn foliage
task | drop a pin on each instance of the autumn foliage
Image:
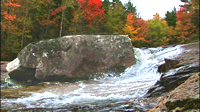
(6, 14)
(185, 29)
(26, 21)
(59, 9)
(11, 4)
(92, 10)
(135, 28)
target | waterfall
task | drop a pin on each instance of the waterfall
(133, 83)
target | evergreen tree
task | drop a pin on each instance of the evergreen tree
(171, 18)
(115, 18)
(129, 8)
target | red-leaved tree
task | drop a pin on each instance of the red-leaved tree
(184, 29)
(92, 11)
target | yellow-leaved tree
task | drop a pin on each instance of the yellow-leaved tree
(136, 29)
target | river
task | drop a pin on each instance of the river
(108, 93)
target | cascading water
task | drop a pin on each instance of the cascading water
(96, 93)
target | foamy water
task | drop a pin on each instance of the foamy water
(132, 84)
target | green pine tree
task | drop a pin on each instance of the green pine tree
(171, 18)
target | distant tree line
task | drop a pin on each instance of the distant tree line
(26, 21)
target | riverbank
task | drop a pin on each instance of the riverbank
(185, 58)
(185, 97)
(188, 89)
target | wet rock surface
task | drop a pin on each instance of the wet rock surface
(189, 90)
(182, 84)
(179, 87)
(176, 71)
(72, 58)
(169, 64)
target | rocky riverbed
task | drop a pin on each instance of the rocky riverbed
(179, 91)
(161, 97)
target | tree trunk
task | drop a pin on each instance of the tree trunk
(61, 23)
(24, 28)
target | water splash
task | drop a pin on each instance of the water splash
(131, 84)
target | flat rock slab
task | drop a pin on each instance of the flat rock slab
(73, 57)
(186, 64)
(189, 89)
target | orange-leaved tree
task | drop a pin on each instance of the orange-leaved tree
(11, 32)
(185, 29)
(136, 29)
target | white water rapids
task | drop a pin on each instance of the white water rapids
(132, 84)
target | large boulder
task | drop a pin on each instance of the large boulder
(72, 58)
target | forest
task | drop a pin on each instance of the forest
(27, 21)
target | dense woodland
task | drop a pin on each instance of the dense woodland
(27, 21)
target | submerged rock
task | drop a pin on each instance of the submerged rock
(72, 58)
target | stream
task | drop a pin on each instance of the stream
(109, 93)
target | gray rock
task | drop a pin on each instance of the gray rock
(177, 70)
(169, 64)
(73, 58)
(170, 80)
